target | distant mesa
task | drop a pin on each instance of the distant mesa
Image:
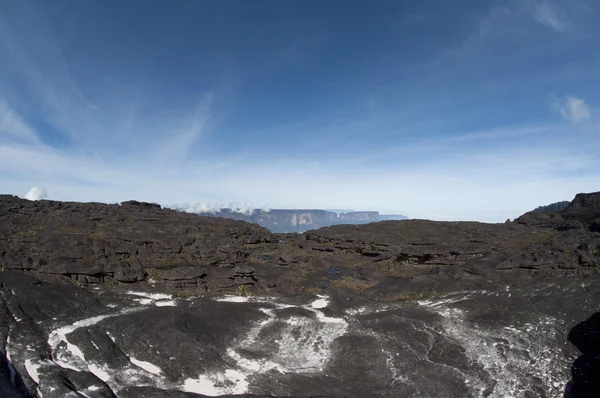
(558, 206)
(301, 220)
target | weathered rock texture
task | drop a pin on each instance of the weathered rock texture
(123, 300)
(92, 243)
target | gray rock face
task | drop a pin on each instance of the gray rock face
(133, 300)
(134, 343)
(96, 244)
(109, 244)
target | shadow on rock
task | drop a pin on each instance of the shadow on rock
(585, 372)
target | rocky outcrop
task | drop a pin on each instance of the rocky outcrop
(558, 206)
(97, 244)
(66, 341)
(133, 300)
(586, 368)
(583, 212)
(92, 243)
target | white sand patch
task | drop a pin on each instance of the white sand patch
(147, 366)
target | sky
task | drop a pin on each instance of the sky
(462, 110)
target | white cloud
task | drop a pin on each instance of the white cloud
(36, 193)
(490, 185)
(575, 110)
(199, 207)
(550, 15)
(13, 125)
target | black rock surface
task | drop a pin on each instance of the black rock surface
(133, 300)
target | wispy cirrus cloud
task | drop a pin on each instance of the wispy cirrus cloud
(12, 125)
(472, 182)
(551, 15)
(575, 110)
(118, 118)
(36, 59)
(182, 137)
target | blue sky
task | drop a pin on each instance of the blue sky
(476, 110)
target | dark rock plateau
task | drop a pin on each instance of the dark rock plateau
(133, 300)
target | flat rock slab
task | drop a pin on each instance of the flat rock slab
(133, 343)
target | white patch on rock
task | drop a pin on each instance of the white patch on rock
(11, 368)
(229, 382)
(69, 355)
(147, 366)
(144, 301)
(234, 299)
(110, 336)
(298, 344)
(166, 303)
(439, 302)
(158, 299)
(99, 372)
(321, 302)
(356, 311)
(511, 356)
(32, 369)
(60, 335)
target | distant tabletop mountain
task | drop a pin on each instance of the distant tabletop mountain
(558, 206)
(301, 220)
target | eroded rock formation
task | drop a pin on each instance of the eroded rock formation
(133, 300)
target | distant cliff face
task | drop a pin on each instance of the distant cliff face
(298, 220)
(558, 206)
